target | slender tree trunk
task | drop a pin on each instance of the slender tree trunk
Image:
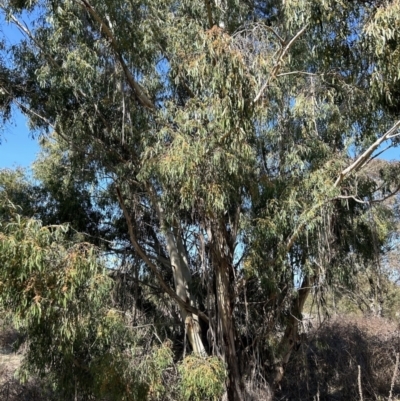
(291, 334)
(227, 324)
(223, 264)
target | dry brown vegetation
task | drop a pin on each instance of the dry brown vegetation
(326, 366)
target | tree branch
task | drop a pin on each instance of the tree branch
(363, 159)
(352, 197)
(277, 65)
(209, 13)
(30, 111)
(360, 162)
(296, 72)
(25, 30)
(28, 33)
(152, 266)
(393, 193)
(272, 30)
(137, 90)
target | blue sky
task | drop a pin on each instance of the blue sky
(391, 154)
(17, 147)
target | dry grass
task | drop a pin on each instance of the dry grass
(342, 356)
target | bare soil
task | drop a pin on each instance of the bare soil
(10, 361)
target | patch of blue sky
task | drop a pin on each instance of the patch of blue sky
(18, 146)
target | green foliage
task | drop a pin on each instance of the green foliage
(383, 33)
(193, 142)
(130, 375)
(15, 188)
(64, 193)
(57, 293)
(153, 368)
(54, 290)
(202, 378)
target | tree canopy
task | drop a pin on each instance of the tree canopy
(217, 155)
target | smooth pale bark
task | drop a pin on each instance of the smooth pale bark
(182, 279)
(363, 159)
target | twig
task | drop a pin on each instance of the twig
(296, 72)
(352, 197)
(289, 45)
(396, 367)
(277, 65)
(379, 153)
(268, 28)
(359, 383)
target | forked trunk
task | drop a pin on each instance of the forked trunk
(182, 278)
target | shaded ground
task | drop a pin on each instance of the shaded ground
(9, 360)
(10, 388)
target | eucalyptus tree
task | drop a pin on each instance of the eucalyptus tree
(231, 137)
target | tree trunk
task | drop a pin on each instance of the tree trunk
(182, 278)
(222, 262)
(291, 334)
(225, 314)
